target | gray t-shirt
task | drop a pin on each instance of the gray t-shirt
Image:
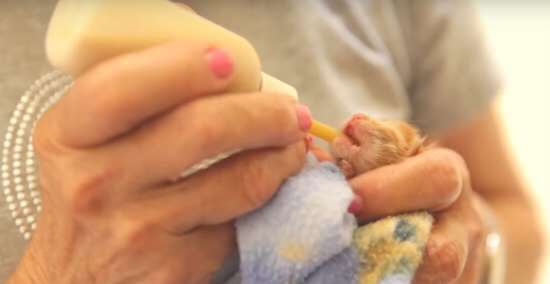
(423, 61)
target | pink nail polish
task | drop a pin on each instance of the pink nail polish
(356, 205)
(219, 62)
(304, 117)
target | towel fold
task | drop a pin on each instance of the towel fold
(305, 225)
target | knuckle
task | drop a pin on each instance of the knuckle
(258, 185)
(69, 175)
(447, 257)
(453, 158)
(477, 233)
(83, 193)
(445, 172)
(476, 229)
(283, 111)
(263, 176)
(133, 233)
(101, 90)
(286, 161)
(94, 85)
(208, 131)
(296, 155)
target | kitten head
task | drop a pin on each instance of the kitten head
(367, 143)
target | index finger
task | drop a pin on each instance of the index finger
(118, 95)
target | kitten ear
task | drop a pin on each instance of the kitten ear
(411, 140)
(409, 132)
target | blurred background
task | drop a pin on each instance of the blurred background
(517, 31)
(519, 34)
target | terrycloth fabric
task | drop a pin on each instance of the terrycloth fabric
(391, 249)
(306, 235)
(305, 225)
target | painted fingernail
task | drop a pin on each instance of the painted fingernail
(304, 117)
(219, 62)
(356, 205)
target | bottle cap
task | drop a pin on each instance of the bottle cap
(273, 85)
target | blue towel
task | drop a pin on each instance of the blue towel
(306, 235)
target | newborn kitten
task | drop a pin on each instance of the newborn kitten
(391, 247)
(367, 144)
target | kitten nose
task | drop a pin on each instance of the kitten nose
(353, 122)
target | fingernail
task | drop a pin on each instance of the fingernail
(356, 205)
(219, 62)
(304, 117)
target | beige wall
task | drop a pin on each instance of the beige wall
(519, 34)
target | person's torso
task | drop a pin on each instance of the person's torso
(343, 57)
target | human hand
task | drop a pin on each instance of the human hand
(109, 153)
(393, 174)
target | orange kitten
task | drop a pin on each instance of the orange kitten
(367, 144)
